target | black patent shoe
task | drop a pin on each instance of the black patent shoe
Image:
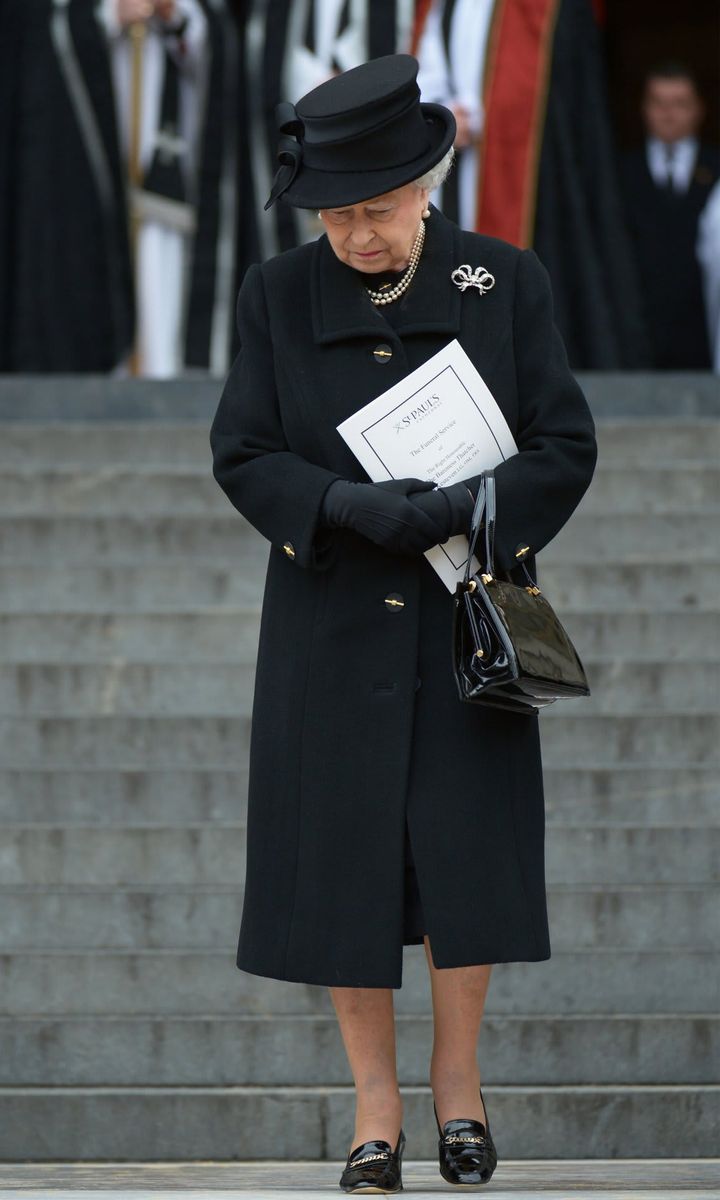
(374, 1167)
(466, 1151)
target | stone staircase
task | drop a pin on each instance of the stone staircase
(129, 608)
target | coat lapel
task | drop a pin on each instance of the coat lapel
(342, 309)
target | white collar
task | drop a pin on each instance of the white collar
(684, 157)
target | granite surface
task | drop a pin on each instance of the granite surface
(620, 1179)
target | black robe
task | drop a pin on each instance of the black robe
(225, 240)
(67, 294)
(66, 301)
(580, 233)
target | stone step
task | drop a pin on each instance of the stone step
(199, 854)
(667, 536)
(657, 1178)
(630, 586)
(306, 1051)
(214, 1124)
(630, 441)
(639, 793)
(82, 794)
(643, 636)
(187, 982)
(154, 587)
(222, 741)
(204, 916)
(87, 689)
(160, 443)
(664, 538)
(81, 689)
(651, 487)
(231, 635)
(576, 734)
(124, 741)
(119, 488)
(218, 635)
(164, 443)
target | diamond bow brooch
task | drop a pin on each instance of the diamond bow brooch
(463, 277)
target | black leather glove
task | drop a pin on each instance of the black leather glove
(451, 508)
(383, 513)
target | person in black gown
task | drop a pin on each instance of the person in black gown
(666, 185)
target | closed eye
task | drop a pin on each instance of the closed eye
(375, 212)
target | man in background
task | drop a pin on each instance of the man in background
(666, 185)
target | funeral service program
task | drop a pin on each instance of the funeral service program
(440, 422)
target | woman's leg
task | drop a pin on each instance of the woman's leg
(367, 1025)
(458, 997)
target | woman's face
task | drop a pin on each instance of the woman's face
(377, 235)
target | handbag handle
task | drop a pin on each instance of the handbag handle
(485, 503)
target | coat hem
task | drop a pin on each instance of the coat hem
(319, 979)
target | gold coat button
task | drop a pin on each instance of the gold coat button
(289, 549)
(382, 353)
(394, 602)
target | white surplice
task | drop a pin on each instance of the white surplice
(457, 78)
(161, 251)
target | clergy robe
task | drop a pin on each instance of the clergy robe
(66, 302)
(546, 172)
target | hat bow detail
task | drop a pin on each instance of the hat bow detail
(290, 151)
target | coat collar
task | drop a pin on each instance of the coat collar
(342, 309)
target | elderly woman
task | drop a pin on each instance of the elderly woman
(383, 812)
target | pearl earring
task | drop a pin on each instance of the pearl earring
(427, 212)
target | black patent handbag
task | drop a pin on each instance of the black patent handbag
(509, 648)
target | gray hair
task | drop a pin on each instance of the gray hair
(437, 174)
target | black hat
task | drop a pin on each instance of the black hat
(360, 134)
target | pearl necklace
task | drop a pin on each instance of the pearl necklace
(403, 284)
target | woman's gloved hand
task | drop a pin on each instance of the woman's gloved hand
(384, 513)
(451, 508)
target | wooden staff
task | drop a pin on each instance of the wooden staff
(137, 32)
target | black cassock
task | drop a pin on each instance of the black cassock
(66, 298)
(66, 302)
(580, 232)
(226, 238)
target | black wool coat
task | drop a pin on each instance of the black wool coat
(361, 750)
